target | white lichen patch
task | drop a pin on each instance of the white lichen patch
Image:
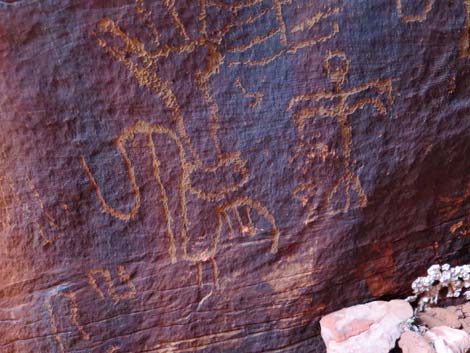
(427, 289)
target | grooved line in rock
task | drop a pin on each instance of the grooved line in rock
(420, 17)
(255, 98)
(106, 275)
(50, 220)
(70, 296)
(454, 205)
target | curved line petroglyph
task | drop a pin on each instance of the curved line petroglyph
(141, 62)
(219, 211)
(454, 205)
(70, 296)
(255, 98)
(106, 275)
(420, 17)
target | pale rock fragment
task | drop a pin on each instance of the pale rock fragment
(367, 328)
(412, 342)
(448, 340)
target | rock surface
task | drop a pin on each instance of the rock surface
(368, 328)
(440, 339)
(216, 175)
(434, 317)
(412, 342)
(452, 316)
(448, 340)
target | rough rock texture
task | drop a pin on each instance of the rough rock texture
(216, 175)
(452, 316)
(368, 328)
(441, 339)
(412, 342)
(448, 340)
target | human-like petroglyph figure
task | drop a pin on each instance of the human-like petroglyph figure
(96, 278)
(417, 17)
(196, 248)
(338, 103)
(69, 296)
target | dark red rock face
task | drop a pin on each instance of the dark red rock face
(216, 175)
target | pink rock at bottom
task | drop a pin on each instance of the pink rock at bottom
(367, 328)
(434, 317)
(441, 339)
(448, 340)
(412, 342)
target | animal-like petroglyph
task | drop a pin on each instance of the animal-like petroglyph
(223, 204)
(338, 103)
(255, 98)
(96, 276)
(70, 297)
(418, 17)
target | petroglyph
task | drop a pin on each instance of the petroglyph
(455, 205)
(8, 199)
(219, 212)
(93, 279)
(113, 349)
(339, 103)
(419, 17)
(51, 222)
(289, 45)
(147, 76)
(142, 63)
(70, 297)
(255, 98)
